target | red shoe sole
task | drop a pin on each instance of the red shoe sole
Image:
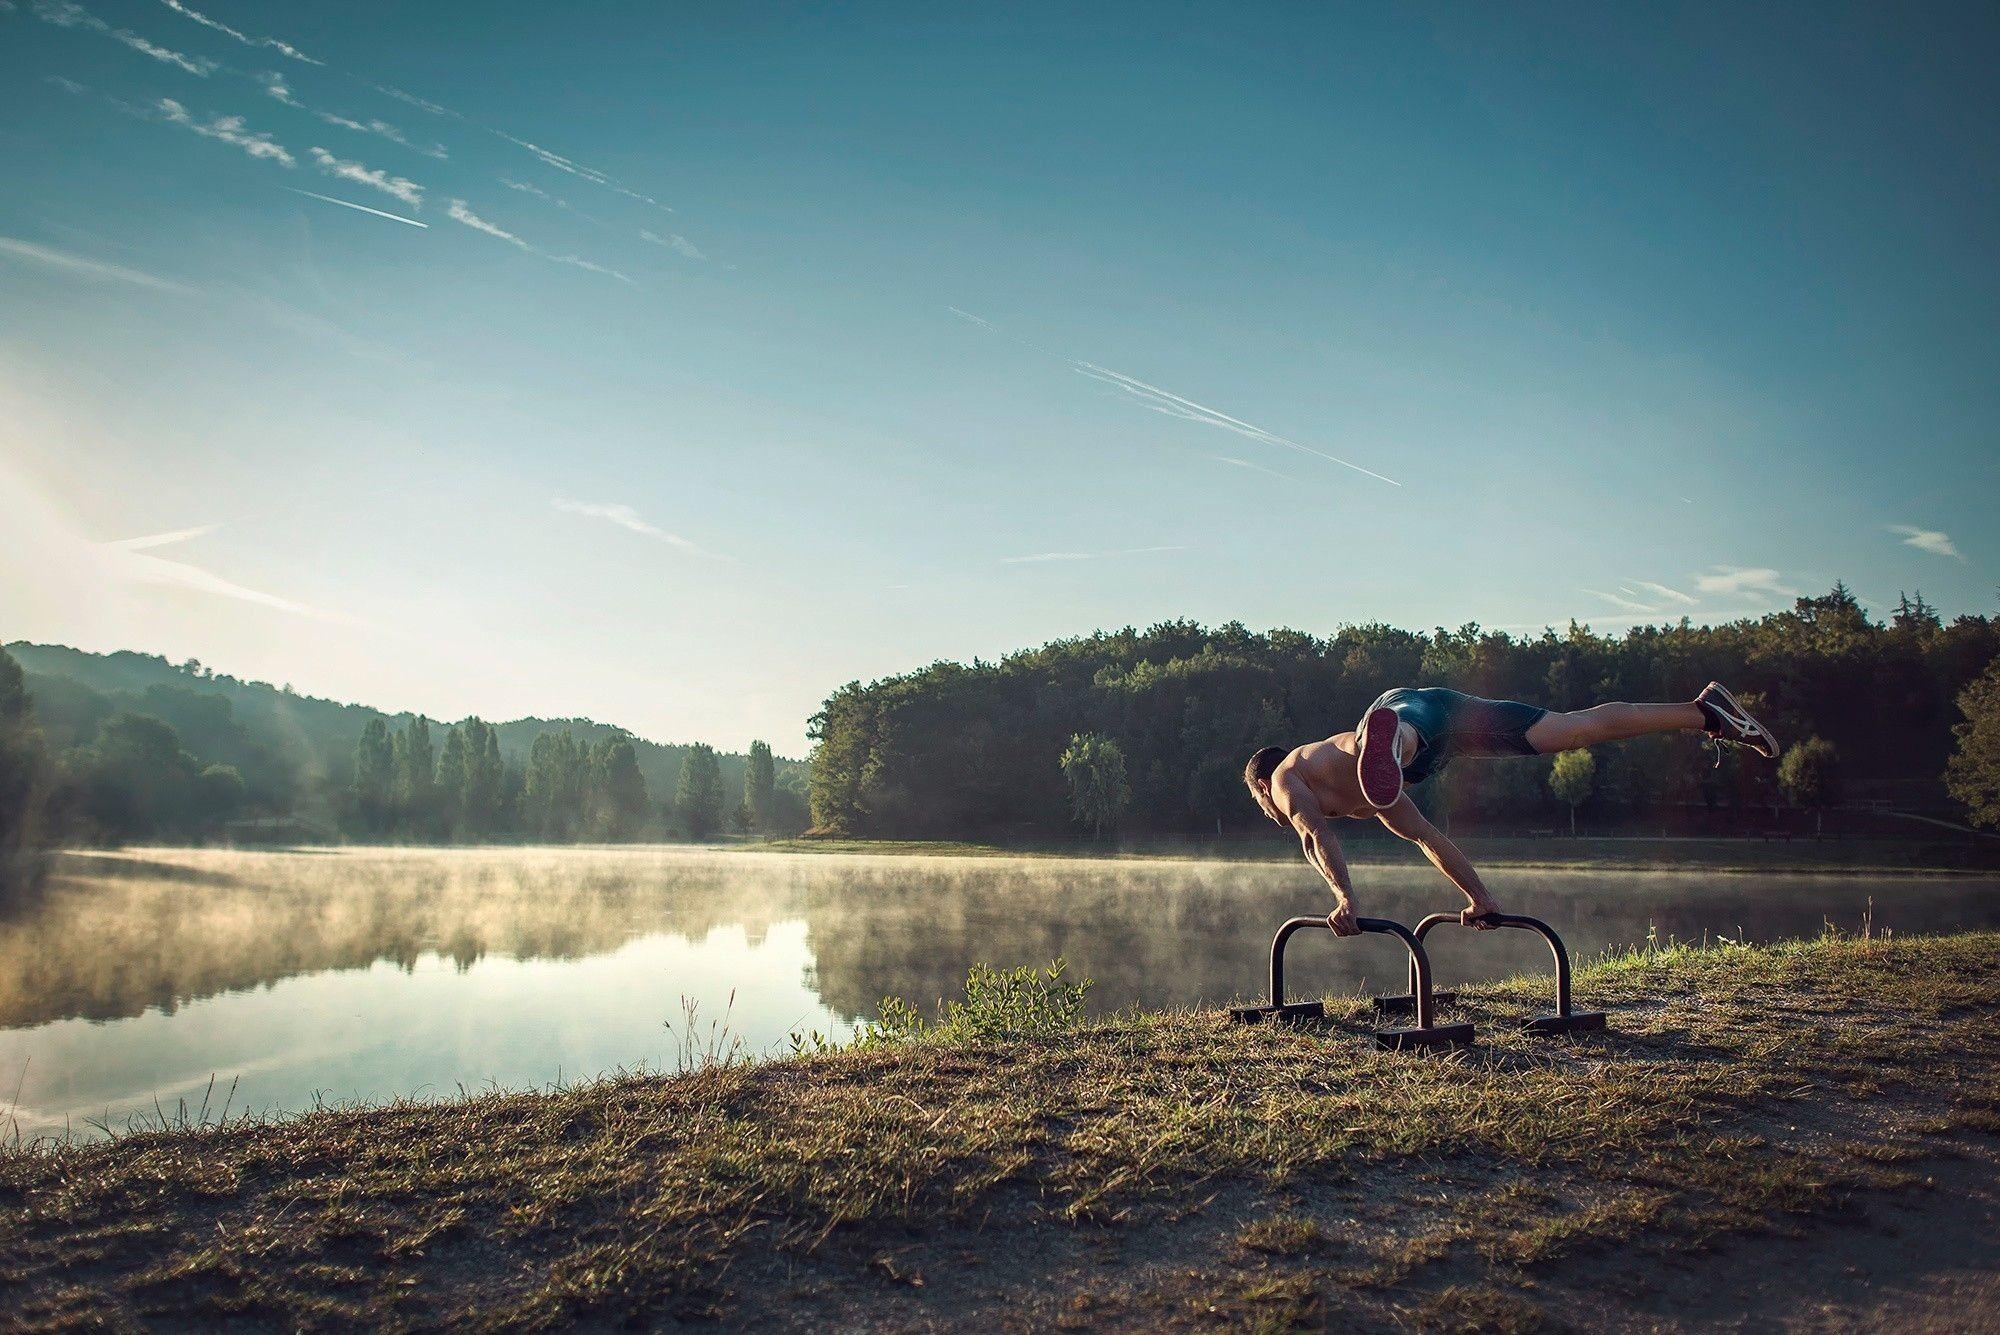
(1381, 776)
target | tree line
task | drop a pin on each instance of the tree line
(569, 790)
(1147, 731)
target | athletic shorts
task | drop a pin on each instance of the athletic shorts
(1452, 723)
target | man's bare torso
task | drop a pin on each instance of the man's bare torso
(1327, 770)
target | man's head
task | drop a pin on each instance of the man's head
(1257, 778)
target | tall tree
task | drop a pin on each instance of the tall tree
(374, 777)
(451, 780)
(24, 785)
(698, 797)
(1094, 767)
(760, 783)
(620, 799)
(416, 774)
(1973, 776)
(1571, 779)
(485, 778)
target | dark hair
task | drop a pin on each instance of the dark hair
(1260, 769)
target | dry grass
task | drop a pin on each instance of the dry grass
(1435, 1182)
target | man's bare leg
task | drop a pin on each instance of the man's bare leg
(1610, 723)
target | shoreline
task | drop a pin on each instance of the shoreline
(1151, 1169)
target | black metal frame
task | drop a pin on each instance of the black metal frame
(1424, 1034)
(1563, 1021)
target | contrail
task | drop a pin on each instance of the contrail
(1166, 401)
(358, 208)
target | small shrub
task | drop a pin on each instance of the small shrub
(999, 1004)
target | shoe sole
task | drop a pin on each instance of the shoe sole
(1378, 768)
(1760, 737)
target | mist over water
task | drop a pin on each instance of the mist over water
(371, 974)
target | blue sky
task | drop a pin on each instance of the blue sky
(743, 351)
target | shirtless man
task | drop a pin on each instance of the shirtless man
(1409, 734)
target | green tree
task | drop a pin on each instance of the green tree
(698, 797)
(1810, 776)
(416, 775)
(218, 795)
(619, 796)
(552, 800)
(1571, 779)
(374, 778)
(449, 793)
(24, 785)
(1094, 767)
(138, 781)
(482, 799)
(760, 782)
(1973, 775)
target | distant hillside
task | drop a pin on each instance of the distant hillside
(288, 747)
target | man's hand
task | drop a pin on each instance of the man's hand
(1341, 920)
(1474, 914)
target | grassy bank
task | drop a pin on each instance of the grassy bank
(1153, 1170)
(1364, 845)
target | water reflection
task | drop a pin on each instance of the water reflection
(376, 973)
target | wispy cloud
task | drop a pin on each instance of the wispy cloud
(382, 129)
(675, 242)
(229, 130)
(528, 188)
(1234, 462)
(458, 212)
(1617, 600)
(550, 157)
(358, 208)
(130, 559)
(1165, 401)
(1669, 594)
(625, 517)
(62, 261)
(66, 14)
(1752, 581)
(271, 43)
(274, 84)
(1927, 540)
(1037, 558)
(375, 178)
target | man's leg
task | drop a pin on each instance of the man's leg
(1610, 723)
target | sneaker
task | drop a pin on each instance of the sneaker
(1381, 772)
(1731, 723)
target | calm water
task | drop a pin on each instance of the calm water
(369, 974)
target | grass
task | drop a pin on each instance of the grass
(1255, 1177)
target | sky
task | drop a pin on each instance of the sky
(674, 365)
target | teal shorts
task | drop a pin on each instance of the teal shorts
(1451, 723)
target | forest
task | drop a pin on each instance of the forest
(110, 748)
(1135, 732)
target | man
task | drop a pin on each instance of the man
(1409, 734)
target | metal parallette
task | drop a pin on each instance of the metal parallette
(1424, 1034)
(1563, 1020)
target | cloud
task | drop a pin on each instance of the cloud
(578, 262)
(1753, 581)
(1039, 557)
(358, 208)
(1662, 591)
(1255, 468)
(458, 212)
(66, 14)
(129, 560)
(625, 517)
(1927, 540)
(96, 270)
(539, 193)
(397, 186)
(274, 84)
(1629, 604)
(1171, 404)
(229, 130)
(673, 241)
(271, 43)
(384, 130)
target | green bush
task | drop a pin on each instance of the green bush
(999, 1004)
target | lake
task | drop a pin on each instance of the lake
(331, 976)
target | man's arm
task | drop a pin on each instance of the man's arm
(1406, 822)
(1322, 850)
